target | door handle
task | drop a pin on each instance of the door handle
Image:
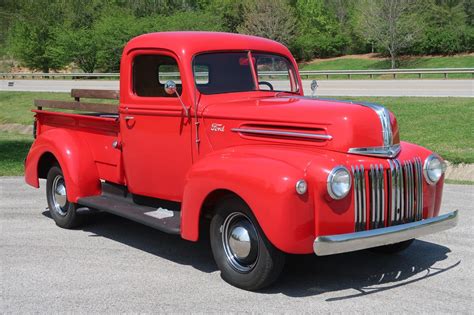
(127, 118)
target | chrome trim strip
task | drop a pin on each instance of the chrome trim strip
(360, 203)
(364, 197)
(343, 243)
(385, 151)
(382, 196)
(384, 117)
(302, 135)
(392, 188)
(419, 188)
(388, 149)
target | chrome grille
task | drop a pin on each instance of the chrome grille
(385, 197)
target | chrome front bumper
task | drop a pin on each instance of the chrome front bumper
(343, 243)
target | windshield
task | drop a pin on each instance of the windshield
(226, 72)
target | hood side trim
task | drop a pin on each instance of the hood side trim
(292, 134)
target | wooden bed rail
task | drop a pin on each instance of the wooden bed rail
(104, 94)
(81, 106)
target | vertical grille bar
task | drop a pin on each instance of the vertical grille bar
(382, 196)
(359, 198)
(377, 196)
(391, 194)
(419, 189)
(401, 192)
(407, 197)
(355, 174)
(412, 191)
(397, 192)
(364, 201)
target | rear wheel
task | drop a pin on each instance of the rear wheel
(62, 211)
(243, 254)
(392, 248)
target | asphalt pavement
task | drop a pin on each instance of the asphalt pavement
(113, 265)
(430, 88)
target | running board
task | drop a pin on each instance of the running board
(116, 200)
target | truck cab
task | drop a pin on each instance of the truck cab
(213, 134)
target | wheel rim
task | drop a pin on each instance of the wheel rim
(58, 195)
(240, 241)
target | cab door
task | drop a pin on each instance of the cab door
(156, 133)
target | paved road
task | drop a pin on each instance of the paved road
(114, 265)
(457, 88)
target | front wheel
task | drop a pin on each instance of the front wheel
(62, 211)
(243, 254)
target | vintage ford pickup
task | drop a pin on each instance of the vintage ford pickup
(213, 134)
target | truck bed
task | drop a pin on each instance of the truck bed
(96, 126)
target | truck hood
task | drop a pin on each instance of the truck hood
(335, 125)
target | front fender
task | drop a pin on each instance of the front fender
(267, 185)
(74, 158)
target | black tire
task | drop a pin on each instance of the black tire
(392, 248)
(262, 265)
(63, 212)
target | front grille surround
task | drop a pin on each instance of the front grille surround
(387, 196)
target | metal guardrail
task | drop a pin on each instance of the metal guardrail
(304, 73)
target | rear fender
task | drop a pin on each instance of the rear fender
(74, 158)
(267, 185)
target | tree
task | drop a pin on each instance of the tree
(390, 24)
(271, 19)
(113, 30)
(320, 34)
(447, 29)
(31, 37)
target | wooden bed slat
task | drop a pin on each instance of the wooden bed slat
(105, 94)
(88, 107)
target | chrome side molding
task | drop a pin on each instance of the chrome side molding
(291, 134)
(343, 243)
(385, 151)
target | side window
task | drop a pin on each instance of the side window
(150, 73)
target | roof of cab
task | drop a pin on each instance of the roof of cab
(191, 43)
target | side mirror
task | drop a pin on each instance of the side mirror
(314, 86)
(170, 89)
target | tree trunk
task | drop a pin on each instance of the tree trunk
(393, 60)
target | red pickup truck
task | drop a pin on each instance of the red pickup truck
(213, 133)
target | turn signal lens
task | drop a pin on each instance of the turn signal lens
(301, 187)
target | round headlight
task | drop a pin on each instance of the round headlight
(339, 182)
(433, 169)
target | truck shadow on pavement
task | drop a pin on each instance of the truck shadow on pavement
(304, 275)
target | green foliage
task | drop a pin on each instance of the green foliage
(113, 30)
(321, 29)
(90, 34)
(31, 37)
(446, 30)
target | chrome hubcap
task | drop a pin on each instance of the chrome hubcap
(240, 240)
(59, 196)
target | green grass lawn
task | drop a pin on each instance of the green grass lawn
(444, 125)
(13, 150)
(462, 61)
